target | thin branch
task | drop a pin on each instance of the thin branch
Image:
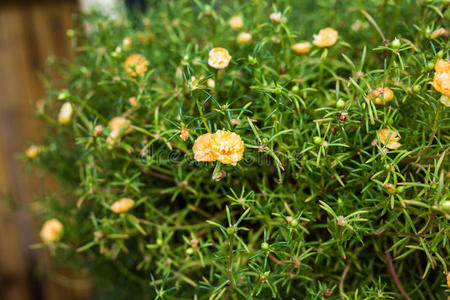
(341, 283)
(394, 275)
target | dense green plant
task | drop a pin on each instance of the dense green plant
(318, 208)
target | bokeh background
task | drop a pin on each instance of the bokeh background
(31, 33)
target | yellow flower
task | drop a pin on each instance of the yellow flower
(122, 206)
(118, 126)
(65, 113)
(387, 95)
(275, 17)
(136, 62)
(202, 148)
(32, 151)
(127, 42)
(244, 37)
(51, 231)
(227, 147)
(327, 37)
(219, 58)
(393, 136)
(301, 48)
(448, 279)
(441, 81)
(184, 133)
(236, 22)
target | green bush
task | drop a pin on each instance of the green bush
(324, 203)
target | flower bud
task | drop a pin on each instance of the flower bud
(396, 44)
(122, 206)
(32, 151)
(51, 231)
(317, 140)
(98, 130)
(265, 246)
(341, 221)
(275, 17)
(340, 104)
(236, 22)
(65, 113)
(244, 37)
(184, 133)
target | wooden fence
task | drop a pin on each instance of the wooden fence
(30, 31)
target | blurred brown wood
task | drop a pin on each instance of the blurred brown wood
(29, 33)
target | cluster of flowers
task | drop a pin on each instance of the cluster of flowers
(225, 146)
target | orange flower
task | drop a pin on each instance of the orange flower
(136, 62)
(219, 58)
(51, 231)
(387, 97)
(184, 133)
(441, 81)
(301, 48)
(227, 147)
(32, 151)
(122, 206)
(327, 37)
(202, 148)
(236, 22)
(65, 113)
(393, 136)
(244, 37)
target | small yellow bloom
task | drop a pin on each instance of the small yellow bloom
(393, 136)
(441, 81)
(65, 113)
(122, 206)
(118, 126)
(184, 133)
(448, 279)
(219, 58)
(202, 148)
(301, 48)
(51, 231)
(386, 95)
(227, 147)
(32, 151)
(127, 42)
(236, 22)
(136, 62)
(244, 37)
(327, 37)
(276, 17)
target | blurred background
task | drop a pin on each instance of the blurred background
(31, 32)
